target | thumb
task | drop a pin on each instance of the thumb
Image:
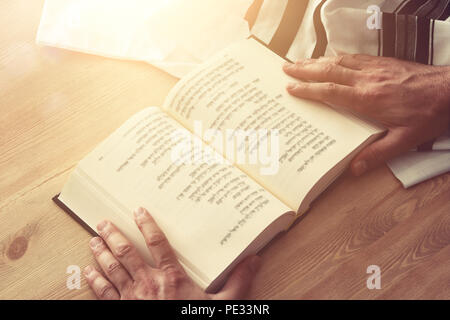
(240, 279)
(379, 152)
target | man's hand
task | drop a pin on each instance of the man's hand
(411, 100)
(129, 277)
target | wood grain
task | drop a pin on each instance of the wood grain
(57, 105)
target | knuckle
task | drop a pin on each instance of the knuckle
(328, 69)
(167, 258)
(113, 268)
(106, 232)
(168, 265)
(106, 291)
(156, 239)
(98, 251)
(123, 249)
(339, 59)
(330, 87)
(92, 278)
(300, 88)
(173, 276)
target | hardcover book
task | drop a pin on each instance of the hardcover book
(225, 164)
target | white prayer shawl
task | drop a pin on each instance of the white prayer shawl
(173, 35)
(416, 30)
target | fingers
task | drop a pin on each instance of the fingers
(379, 152)
(356, 61)
(322, 70)
(240, 279)
(109, 264)
(331, 93)
(159, 246)
(103, 289)
(121, 248)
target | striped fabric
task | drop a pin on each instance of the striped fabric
(276, 23)
(295, 28)
(408, 34)
(408, 29)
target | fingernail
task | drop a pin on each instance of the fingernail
(95, 242)
(360, 167)
(255, 263)
(88, 270)
(139, 212)
(291, 86)
(102, 225)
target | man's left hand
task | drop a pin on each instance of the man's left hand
(411, 100)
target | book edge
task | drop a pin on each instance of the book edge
(73, 215)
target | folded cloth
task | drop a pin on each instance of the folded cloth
(414, 167)
(174, 35)
(441, 143)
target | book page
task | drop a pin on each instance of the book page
(237, 103)
(209, 212)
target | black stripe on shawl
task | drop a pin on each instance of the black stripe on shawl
(289, 26)
(252, 12)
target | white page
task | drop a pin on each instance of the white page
(313, 137)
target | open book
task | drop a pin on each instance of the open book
(184, 163)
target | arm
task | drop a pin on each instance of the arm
(411, 100)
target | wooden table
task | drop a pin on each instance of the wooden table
(57, 105)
